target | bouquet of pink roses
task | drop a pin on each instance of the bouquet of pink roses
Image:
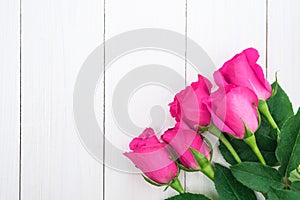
(255, 123)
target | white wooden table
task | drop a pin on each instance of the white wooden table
(43, 45)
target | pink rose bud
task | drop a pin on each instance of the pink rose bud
(152, 157)
(188, 104)
(232, 108)
(242, 70)
(181, 138)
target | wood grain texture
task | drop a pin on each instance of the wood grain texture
(57, 38)
(284, 46)
(10, 100)
(145, 98)
(223, 29)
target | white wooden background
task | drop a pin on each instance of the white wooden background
(42, 47)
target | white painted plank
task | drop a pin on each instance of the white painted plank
(284, 46)
(222, 29)
(57, 38)
(132, 113)
(9, 101)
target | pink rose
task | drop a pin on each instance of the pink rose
(152, 157)
(242, 70)
(232, 108)
(180, 138)
(188, 104)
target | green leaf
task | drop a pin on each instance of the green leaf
(288, 149)
(257, 176)
(189, 196)
(296, 186)
(275, 194)
(280, 105)
(228, 187)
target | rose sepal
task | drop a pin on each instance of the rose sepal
(204, 163)
(180, 166)
(175, 183)
(275, 89)
(151, 181)
(250, 139)
(264, 110)
(196, 170)
(185, 168)
(202, 129)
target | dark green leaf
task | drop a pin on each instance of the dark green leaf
(189, 196)
(229, 188)
(288, 149)
(257, 176)
(296, 186)
(276, 194)
(280, 106)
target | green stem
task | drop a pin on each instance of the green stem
(251, 141)
(230, 148)
(215, 131)
(176, 185)
(264, 110)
